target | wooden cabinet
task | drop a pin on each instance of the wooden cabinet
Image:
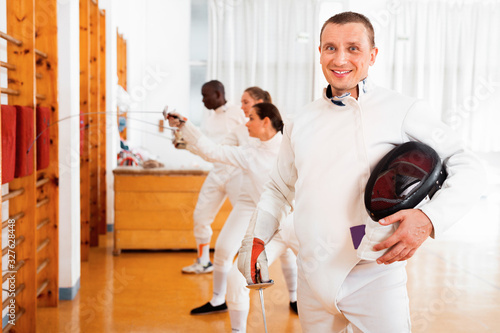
(154, 208)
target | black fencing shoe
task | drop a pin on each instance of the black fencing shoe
(209, 309)
(293, 306)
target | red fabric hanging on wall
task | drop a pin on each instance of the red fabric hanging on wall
(24, 141)
(42, 137)
(8, 142)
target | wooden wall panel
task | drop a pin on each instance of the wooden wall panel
(23, 80)
(144, 201)
(102, 123)
(46, 85)
(85, 109)
(94, 121)
(152, 183)
(121, 54)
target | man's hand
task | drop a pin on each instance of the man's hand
(175, 120)
(413, 230)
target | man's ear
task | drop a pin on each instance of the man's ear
(218, 94)
(373, 55)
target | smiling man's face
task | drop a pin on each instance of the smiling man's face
(345, 56)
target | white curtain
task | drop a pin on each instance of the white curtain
(264, 43)
(448, 52)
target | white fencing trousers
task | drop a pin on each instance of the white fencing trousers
(372, 299)
(228, 243)
(210, 199)
(232, 233)
(238, 297)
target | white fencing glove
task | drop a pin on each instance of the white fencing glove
(252, 258)
(252, 253)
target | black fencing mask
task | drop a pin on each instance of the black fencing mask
(402, 179)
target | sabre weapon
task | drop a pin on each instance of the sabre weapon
(260, 286)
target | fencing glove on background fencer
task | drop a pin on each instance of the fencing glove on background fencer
(252, 258)
(175, 120)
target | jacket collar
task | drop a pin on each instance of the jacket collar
(221, 109)
(364, 87)
(273, 143)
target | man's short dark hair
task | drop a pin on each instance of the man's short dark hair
(351, 17)
(216, 86)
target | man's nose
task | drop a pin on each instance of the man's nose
(340, 58)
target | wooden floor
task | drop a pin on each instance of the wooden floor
(454, 286)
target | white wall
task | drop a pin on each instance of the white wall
(157, 34)
(69, 142)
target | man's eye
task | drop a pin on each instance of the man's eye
(330, 48)
(353, 48)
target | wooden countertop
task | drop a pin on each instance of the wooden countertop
(133, 170)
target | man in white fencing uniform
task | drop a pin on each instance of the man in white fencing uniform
(222, 180)
(327, 154)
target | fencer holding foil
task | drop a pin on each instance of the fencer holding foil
(255, 159)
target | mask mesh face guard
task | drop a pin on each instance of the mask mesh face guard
(402, 179)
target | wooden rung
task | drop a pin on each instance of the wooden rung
(42, 223)
(40, 97)
(7, 65)
(10, 38)
(18, 291)
(19, 240)
(41, 54)
(9, 91)
(42, 202)
(39, 75)
(42, 265)
(14, 217)
(20, 312)
(42, 244)
(12, 194)
(14, 271)
(42, 287)
(42, 181)
(102, 12)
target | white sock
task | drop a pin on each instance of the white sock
(289, 269)
(238, 320)
(219, 287)
(290, 276)
(204, 253)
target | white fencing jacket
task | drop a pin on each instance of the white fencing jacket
(256, 158)
(325, 160)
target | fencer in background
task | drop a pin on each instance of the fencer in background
(239, 136)
(221, 120)
(256, 160)
(328, 152)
